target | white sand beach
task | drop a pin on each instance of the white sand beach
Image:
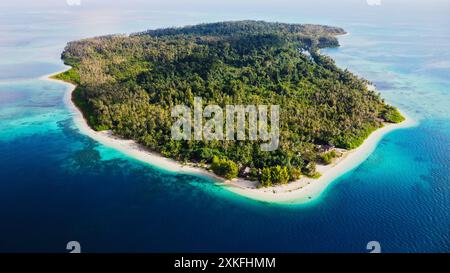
(301, 191)
(307, 189)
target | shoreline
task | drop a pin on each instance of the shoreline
(302, 191)
(306, 189)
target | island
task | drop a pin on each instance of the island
(124, 88)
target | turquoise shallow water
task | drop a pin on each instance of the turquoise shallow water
(57, 185)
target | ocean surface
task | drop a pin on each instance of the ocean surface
(57, 185)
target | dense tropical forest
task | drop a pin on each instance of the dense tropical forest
(130, 83)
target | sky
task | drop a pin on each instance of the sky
(276, 5)
(333, 12)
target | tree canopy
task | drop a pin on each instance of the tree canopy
(129, 84)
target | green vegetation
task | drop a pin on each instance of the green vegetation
(224, 167)
(70, 75)
(356, 138)
(327, 158)
(275, 175)
(266, 177)
(391, 114)
(310, 170)
(129, 84)
(280, 175)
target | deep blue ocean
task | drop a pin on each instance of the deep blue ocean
(57, 185)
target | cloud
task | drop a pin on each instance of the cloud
(73, 2)
(373, 2)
